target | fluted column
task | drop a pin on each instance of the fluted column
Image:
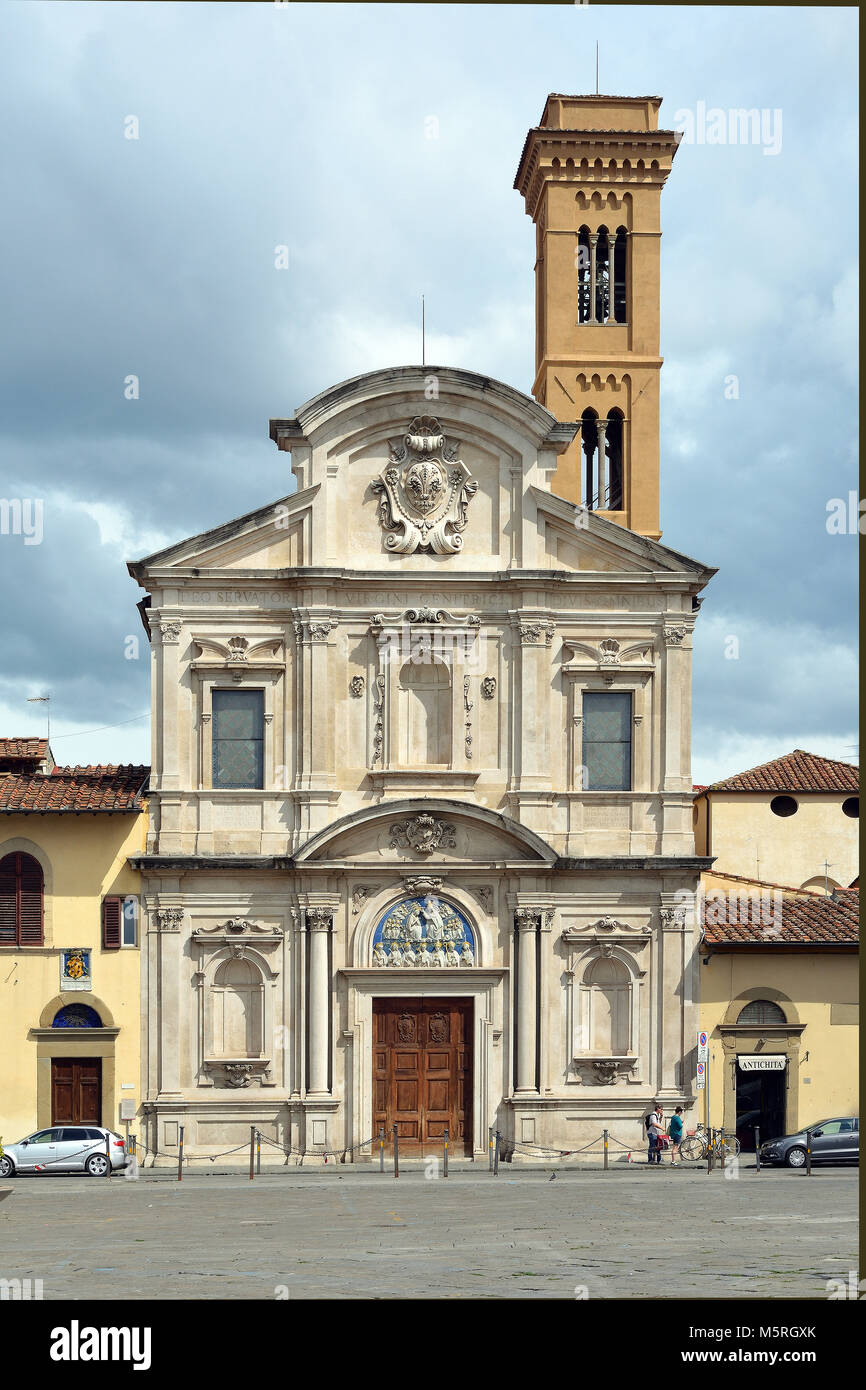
(526, 924)
(320, 923)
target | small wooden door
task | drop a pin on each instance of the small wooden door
(422, 1072)
(76, 1090)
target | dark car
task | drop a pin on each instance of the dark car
(833, 1141)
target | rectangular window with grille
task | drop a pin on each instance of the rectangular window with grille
(238, 738)
(607, 740)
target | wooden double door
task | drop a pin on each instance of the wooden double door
(422, 1072)
(76, 1090)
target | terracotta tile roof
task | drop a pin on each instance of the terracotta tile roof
(801, 920)
(795, 772)
(30, 749)
(74, 789)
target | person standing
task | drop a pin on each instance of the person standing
(655, 1128)
(676, 1134)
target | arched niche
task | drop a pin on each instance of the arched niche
(236, 1009)
(424, 694)
(607, 1011)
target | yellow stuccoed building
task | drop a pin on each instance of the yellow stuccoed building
(779, 978)
(69, 940)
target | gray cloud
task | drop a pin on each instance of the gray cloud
(307, 126)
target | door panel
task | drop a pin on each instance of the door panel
(41, 1151)
(422, 1071)
(76, 1090)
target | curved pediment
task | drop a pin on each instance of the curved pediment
(420, 831)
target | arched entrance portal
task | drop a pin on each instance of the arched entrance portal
(422, 1045)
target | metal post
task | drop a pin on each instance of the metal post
(808, 1153)
(445, 1155)
(490, 1148)
(757, 1149)
(396, 1154)
(381, 1149)
(252, 1152)
(604, 1132)
(180, 1156)
(497, 1137)
(258, 1152)
(723, 1153)
(711, 1139)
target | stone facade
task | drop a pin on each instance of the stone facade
(421, 694)
(421, 906)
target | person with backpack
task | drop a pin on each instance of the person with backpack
(655, 1127)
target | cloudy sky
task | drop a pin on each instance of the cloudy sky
(307, 126)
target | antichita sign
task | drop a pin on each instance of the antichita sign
(759, 1063)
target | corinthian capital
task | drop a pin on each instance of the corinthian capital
(527, 918)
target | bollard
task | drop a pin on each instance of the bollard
(180, 1156)
(496, 1139)
(711, 1146)
(396, 1154)
(723, 1153)
(445, 1155)
(490, 1148)
(258, 1152)
(604, 1133)
(381, 1149)
(252, 1152)
(757, 1149)
(808, 1153)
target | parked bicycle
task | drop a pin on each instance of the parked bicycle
(696, 1144)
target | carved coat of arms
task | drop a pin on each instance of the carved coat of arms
(425, 492)
(423, 834)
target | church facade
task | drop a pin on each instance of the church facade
(421, 849)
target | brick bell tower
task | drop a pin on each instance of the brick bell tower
(591, 175)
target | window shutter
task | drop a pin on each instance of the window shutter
(30, 895)
(111, 920)
(8, 901)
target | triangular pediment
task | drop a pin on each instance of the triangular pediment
(583, 541)
(272, 537)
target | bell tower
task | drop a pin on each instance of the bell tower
(591, 175)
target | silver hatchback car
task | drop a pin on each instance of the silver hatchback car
(65, 1149)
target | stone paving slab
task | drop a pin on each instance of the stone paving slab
(632, 1232)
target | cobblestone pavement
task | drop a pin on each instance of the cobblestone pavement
(631, 1232)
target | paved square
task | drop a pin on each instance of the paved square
(627, 1233)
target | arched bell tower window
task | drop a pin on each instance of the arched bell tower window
(601, 275)
(613, 446)
(584, 273)
(425, 725)
(589, 445)
(619, 275)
